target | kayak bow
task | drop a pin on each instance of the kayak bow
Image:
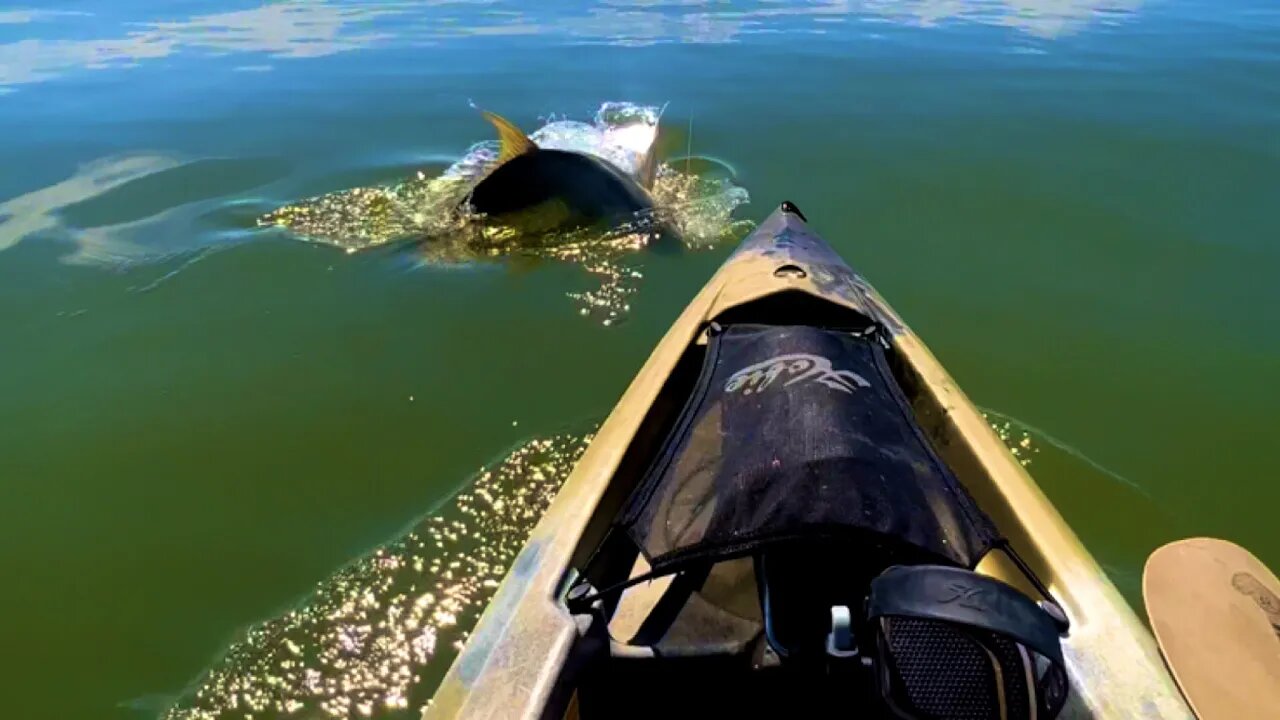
(572, 630)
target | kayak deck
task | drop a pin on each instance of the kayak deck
(526, 656)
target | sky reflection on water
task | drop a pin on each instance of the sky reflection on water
(47, 45)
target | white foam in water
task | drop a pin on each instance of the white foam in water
(621, 133)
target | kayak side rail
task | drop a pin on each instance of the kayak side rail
(1114, 663)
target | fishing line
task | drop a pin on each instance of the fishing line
(688, 151)
(1064, 447)
(198, 255)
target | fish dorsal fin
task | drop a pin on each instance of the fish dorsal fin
(511, 139)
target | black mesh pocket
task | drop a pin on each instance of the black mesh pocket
(798, 432)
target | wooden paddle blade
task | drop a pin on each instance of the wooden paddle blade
(1215, 609)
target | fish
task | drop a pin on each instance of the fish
(569, 183)
(591, 194)
(532, 191)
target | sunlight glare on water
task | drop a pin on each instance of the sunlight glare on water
(362, 643)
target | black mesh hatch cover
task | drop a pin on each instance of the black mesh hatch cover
(794, 433)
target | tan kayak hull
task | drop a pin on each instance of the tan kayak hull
(510, 666)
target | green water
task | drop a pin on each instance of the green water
(1072, 202)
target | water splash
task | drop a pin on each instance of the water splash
(424, 208)
(373, 640)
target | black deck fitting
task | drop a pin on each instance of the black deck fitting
(791, 209)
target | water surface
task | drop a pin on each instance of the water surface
(1072, 201)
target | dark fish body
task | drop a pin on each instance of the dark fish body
(535, 192)
(573, 189)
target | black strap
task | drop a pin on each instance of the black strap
(581, 603)
(963, 597)
(664, 612)
(1059, 615)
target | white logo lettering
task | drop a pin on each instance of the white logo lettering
(799, 368)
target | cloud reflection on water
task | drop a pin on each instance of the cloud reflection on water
(291, 30)
(37, 212)
(140, 206)
(314, 28)
(1041, 18)
(24, 16)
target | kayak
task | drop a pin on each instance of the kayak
(793, 508)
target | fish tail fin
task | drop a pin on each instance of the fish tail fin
(512, 142)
